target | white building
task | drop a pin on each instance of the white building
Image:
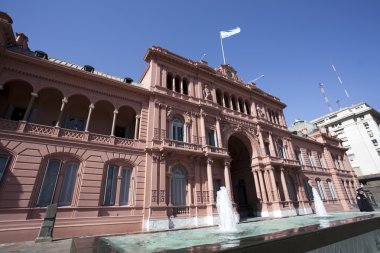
(358, 128)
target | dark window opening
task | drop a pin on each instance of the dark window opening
(177, 84)
(18, 113)
(185, 87)
(169, 81)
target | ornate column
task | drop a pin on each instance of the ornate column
(268, 184)
(29, 108)
(271, 145)
(173, 84)
(262, 186)
(189, 192)
(91, 108)
(284, 185)
(227, 178)
(158, 74)
(169, 189)
(162, 180)
(163, 120)
(203, 128)
(261, 140)
(155, 168)
(210, 182)
(218, 132)
(198, 188)
(115, 112)
(273, 183)
(181, 86)
(64, 102)
(223, 101)
(137, 125)
(257, 185)
(156, 122)
(163, 77)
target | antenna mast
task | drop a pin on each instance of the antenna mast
(321, 87)
(341, 83)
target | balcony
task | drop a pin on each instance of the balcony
(180, 146)
(215, 151)
(282, 161)
(68, 134)
(315, 169)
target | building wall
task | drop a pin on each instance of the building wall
(184, 131)
(357, 127)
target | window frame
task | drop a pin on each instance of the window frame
(6, 166)
(175, 193)
(59, 183)
(178, 124)
(116, 195)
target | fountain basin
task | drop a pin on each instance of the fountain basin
(295, 234)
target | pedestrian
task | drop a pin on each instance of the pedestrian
(362, 201)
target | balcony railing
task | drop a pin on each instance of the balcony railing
(57, 132)
(212, 149)
(180, 144)
(284, 161)
(314, 168)
(8, 125)
(178, 210)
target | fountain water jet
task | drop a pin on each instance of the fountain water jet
(320, 209)
(227, 217)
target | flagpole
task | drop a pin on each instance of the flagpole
(221, 42)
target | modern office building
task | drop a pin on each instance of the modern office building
(358, 127)
(119, 156)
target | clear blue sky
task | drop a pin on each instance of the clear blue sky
(292, 43)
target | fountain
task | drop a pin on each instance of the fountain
(320, 209)
(292, 234)
(227, 217)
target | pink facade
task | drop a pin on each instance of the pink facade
(119, 157)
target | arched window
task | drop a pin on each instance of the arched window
(58, 183)
(118, 179)
(178, 187)
(322, 161)
(277, 118)
(311, 159)
(299, 156)
(320, 189)
(291, 188)
(169, 81)
(281, 149)
(4, 161)
(331, 188)
(185, 85)
(308, 189)
(341, 163)
(177, 129)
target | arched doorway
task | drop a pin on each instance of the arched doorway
(242, 181)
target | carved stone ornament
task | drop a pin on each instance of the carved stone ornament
(169, 112)
(207, 93)
(260, 111)
(238, 128)
(187, 117)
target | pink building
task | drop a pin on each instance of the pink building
(119, 156)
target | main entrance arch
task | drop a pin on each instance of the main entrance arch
(242, 182)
